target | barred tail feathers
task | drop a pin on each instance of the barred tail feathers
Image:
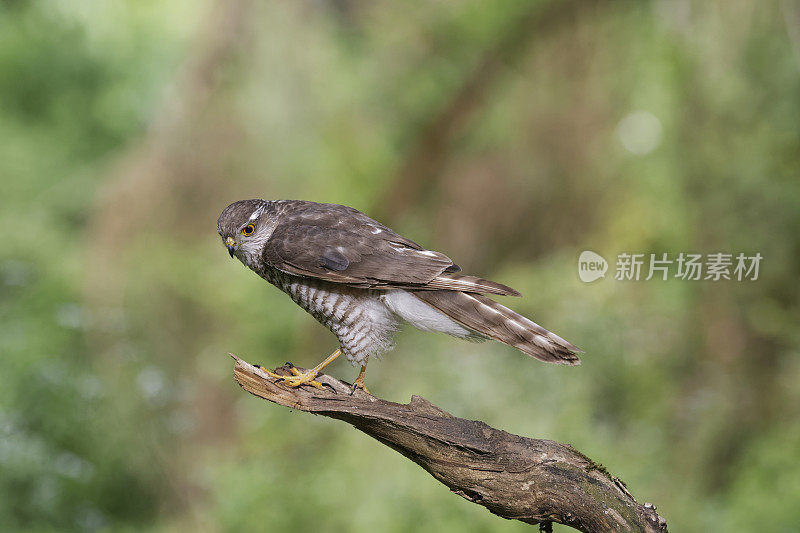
(489, 318)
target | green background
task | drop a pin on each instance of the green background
(509, 135)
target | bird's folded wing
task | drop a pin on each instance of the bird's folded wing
(357, 255)
(343, 245)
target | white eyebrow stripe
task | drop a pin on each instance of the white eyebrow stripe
(257, 213)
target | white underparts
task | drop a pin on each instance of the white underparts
(421, 315)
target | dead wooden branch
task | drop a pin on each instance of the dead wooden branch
(532, 480)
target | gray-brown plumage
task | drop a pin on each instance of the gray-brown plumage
(362, 280)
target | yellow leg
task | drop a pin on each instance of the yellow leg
(359, 383)
(300, 378)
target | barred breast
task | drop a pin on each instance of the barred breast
(358, 317)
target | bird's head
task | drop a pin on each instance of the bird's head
(244, 227)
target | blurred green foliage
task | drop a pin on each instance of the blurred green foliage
(644, 127)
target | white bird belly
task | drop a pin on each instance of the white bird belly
(422, 316)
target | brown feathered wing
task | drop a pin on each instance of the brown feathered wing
(342, 245)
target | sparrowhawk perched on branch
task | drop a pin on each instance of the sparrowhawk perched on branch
(362, 280)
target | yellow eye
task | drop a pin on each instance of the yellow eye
(248, 230)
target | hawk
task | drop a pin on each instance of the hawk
(362, 280)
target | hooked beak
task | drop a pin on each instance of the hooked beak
(230, 244)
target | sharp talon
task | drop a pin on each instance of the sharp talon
(330, 387)
(289, 364)
(361, 386)
(257, 366)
